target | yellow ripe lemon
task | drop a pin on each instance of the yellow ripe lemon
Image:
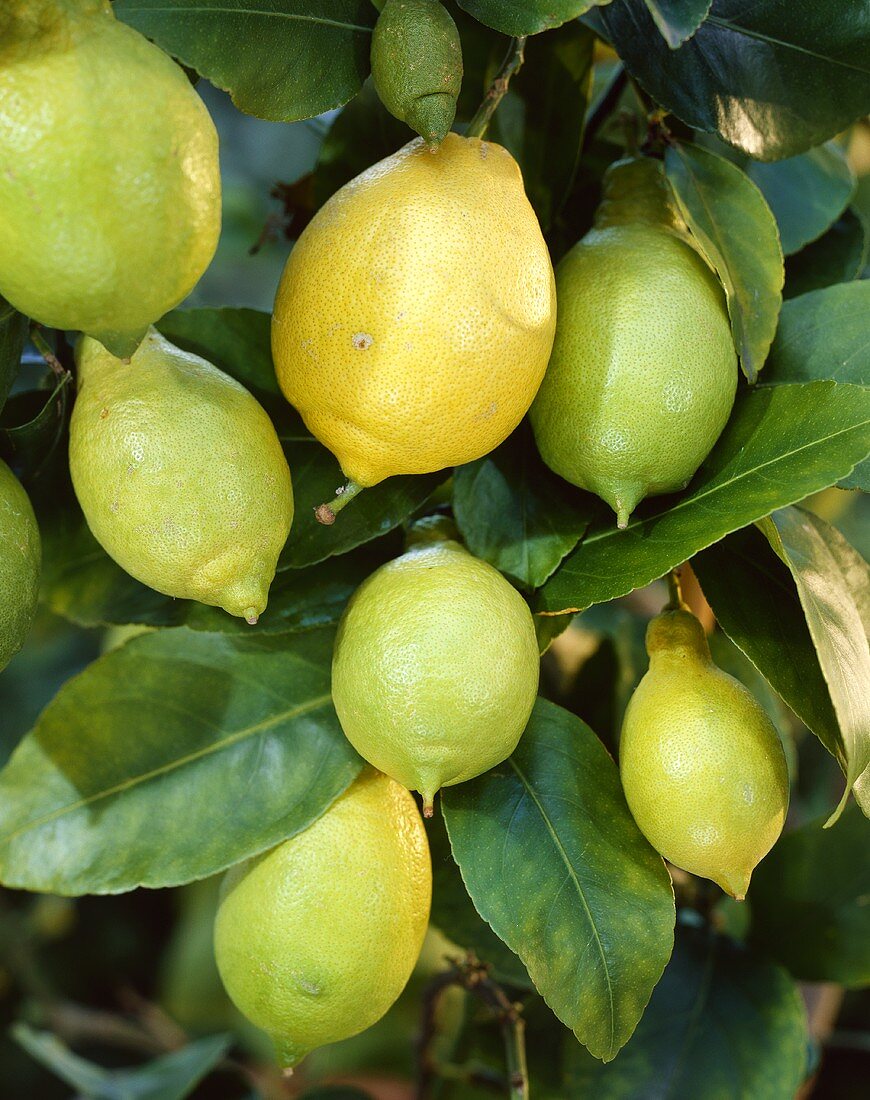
(109, 190)
(435, 669)
(317, 938)
(415, 316)
(702, 766)
(180, 474)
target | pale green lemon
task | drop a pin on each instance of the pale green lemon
(702, 766)
(435, 669)
(317, 938)
(180, 474)
(110, 189)
(643, 372)
(20, 562)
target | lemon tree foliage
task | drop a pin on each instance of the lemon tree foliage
(244, 722)
(781, 444)
(721, 1022)
(548, 153)
(552, 858)
(773, 78)
(516, 514)
(13, 330)
(807, 908)
(318, 52)
(838, 256)
(738, 235)
(678, 19)
(525, 16)
(168, 1077)
(806, 193)
(837, 613)
(763, 616)
(476, 502)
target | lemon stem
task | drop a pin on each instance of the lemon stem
(675, 592)
(326, 513)
(497, 90)
(44, 349)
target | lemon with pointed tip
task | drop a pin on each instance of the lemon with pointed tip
(180, 474)
(317, 938)
(435, 668)
(415, 315)
(20, 565)
(110, 199)
(643, 373)
(417, 65)
(702, 766)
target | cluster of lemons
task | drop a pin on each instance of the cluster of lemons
(414, 327)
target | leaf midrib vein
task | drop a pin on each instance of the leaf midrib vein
(608, 533)
(572, 874)
(736, 28)
(164, 769)
(212, 10)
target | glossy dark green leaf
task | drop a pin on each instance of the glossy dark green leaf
(823, 334)
(722, 1022)
(733, 224)
(838, 256)
(13, 333)
(781, 444)
(806, 193)
(677, 20)
(555, 863)
(541, 119)
(175, 726)
(809, 901)
(170, 1077)
(316, 476)
(32, 426)
(833, 584)
(281, 61)
(454, 914)
(515, 513)
(755, 601)
(520, 17)
(774, 77)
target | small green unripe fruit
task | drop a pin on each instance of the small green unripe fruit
(110, 190)
(643, 372)
(417, 65)
(180, 474)
(20, 562)
(702, 766)
(435, 668)
(316, 939)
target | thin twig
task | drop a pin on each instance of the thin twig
(431, 999)
(44, 349)
(497, 89)
(474, 977)
(674, 591)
